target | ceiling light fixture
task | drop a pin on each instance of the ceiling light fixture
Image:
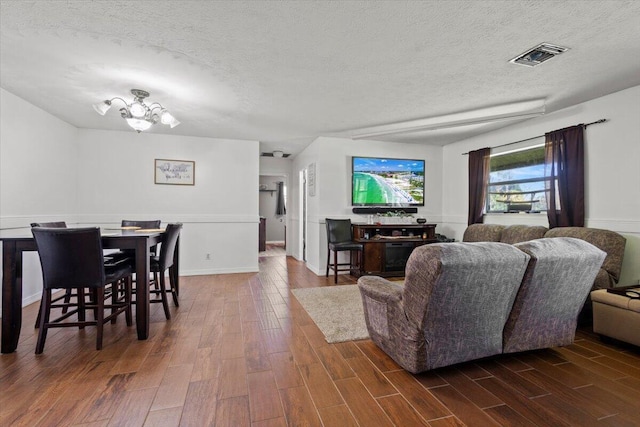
(278, 153)
(139, 115)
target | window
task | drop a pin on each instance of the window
(516, 181)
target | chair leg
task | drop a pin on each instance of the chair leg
(45, 308)
(163, 295)
(37, 325)
(82, 307)
(328, 259)
(155, 280)
(335, 267)
(99, 316)
(115, 296)
(174, 289)
(128, 285)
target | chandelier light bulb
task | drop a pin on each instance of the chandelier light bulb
(137, 110)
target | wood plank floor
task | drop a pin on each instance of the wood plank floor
(241, 351)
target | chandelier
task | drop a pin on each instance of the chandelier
(139, 115)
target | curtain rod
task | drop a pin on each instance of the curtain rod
(539, 136)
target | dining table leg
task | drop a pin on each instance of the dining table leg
(11, 296)
(142, 289)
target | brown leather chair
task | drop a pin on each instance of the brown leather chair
(339, 239)
(73, 259)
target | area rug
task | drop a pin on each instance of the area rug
(336, 310)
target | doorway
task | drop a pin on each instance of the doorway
(272, 209)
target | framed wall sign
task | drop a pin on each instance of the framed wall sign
(174, 172)
(311, 179)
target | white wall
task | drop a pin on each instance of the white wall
(37, 174)
(219, 212)
(37, 163)
(612, 170)
(52, 171)
(332, 157)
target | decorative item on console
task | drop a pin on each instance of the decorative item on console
(394, 217)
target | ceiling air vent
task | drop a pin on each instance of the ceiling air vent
(539, 54)
(276, 153)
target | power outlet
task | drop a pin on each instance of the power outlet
(207, 257)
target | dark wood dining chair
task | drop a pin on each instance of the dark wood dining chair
(339, 239)
(73, 259)
(68, 294)
(160, 264)
(130, 253)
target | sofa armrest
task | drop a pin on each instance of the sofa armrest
(380, 288)
(382, 301)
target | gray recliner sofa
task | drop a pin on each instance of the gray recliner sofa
(465, 301)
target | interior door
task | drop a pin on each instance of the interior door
(303, 213)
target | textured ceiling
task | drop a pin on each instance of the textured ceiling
(287, 72)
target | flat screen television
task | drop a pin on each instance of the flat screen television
(382, 181)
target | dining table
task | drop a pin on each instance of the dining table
(17, 241)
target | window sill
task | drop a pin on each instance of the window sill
(520, 218)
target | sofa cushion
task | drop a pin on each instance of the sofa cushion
(522, 233)
(483, 233)
(609, 241)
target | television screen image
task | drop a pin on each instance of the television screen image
(387, 182)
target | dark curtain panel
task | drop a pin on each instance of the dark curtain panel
(478, 178)
(280, 207)
(564, 166)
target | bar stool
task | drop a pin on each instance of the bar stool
(339, 240)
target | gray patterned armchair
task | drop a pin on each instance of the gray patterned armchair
(452, 307)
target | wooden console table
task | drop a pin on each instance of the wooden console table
(388, 246)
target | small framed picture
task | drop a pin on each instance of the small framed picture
(174, 172)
